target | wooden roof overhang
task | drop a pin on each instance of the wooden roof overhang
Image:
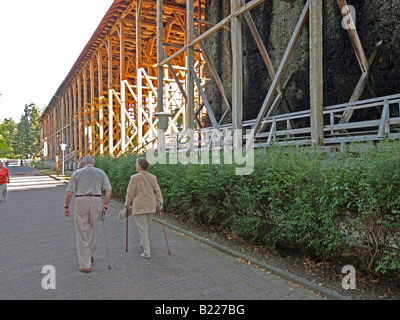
(109, 20)
(123, 9)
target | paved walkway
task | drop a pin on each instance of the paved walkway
(34, 233)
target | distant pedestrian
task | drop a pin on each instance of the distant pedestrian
(7, 163)
(4, 179)
(145, 196)
(87, 184)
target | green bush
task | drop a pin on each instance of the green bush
(322, 203)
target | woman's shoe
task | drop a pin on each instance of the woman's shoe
(84, 270)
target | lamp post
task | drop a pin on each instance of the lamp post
(162, 127)
(63, 146)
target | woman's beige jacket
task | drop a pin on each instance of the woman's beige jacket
(144, 195)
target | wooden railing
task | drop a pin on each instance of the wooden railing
(381, 119)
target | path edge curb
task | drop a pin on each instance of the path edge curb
(328, 293)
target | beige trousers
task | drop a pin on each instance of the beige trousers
(87, 214)
(143, 222)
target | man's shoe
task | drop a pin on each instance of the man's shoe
(145, 255)
(84, 270)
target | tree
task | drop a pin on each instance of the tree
(4, 150)
(28, 131)
(8, 134)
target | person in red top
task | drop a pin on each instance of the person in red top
(4, 179)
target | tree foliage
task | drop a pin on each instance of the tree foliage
(8, 134)
(23, 138)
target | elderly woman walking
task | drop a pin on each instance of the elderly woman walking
(145, 196)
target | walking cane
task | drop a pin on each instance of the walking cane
(103, 218)
(166, 240)
(126, 232)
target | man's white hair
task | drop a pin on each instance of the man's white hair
(88, 159)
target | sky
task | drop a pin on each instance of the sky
(40, 40)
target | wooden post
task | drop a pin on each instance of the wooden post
(160, 72)
(71, 119)
(237, 57)
(49, 137)
(85, 126)
(80, 127)
(62, 116)
(76, 131)
(237, 74)
(123, 119)
(316, 73)
(122, 78)
(110, 98)
(101, 107)
(92, 106)
(110, 123)
(55, 130)
(139, 93)
(189, 64)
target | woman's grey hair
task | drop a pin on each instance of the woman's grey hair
(143, 163)
(88, 159)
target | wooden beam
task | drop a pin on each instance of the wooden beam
(101, 97)
(71, 117)
(316, 73)
(122, 78)
(80, 127)
(189, 65)
(216, 78)
(203, 95)
(139, 76)
(110, 96)
(160, 54)
(250, 5)
(279, 73)
(76, 122)
(110, 123)
(92, 107)
(237, 67)
(355, 39)
(361, 58)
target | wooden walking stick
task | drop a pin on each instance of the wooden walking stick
(103, 218)
(166, 240)
(127, 212)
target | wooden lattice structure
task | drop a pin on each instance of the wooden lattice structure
(147, 56)
(107, 103)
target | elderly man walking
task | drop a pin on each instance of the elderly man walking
(87, 184)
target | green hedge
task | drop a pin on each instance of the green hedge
(322, 203)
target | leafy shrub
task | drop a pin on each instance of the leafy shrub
(322, 203)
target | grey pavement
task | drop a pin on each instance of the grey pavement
(35, 233)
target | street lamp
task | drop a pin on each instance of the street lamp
(163, 120)
(63, 146)
(162, 127)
